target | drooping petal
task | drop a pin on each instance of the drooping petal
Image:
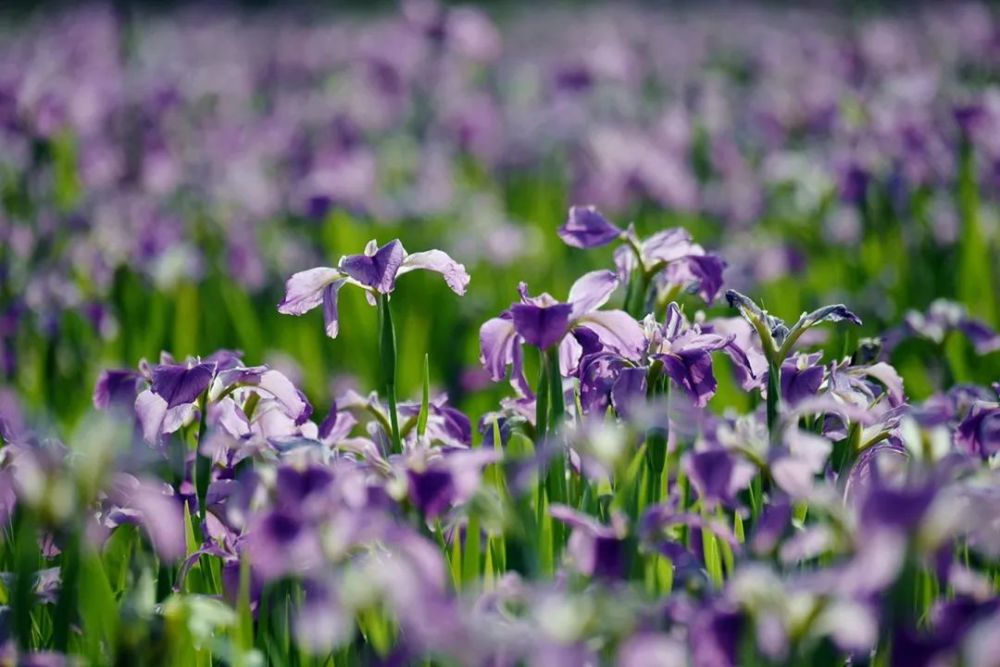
(570, 352)
(692, 371)
(116, 387)
(983, 338)
(275, 383)
(497, 338)
(587, 228)
(704, 271)
(799, 383)
(431, 491)
(150, 410)
(378, 270)
(667, 246)
(436, 260)
(979, 433)
(629, 388)
(331, 317)
(304, 290)
(541, 326)
(710, 472)
(179, 385)
(617, 330)
(889, 377)
(836, 313)
(592, 291)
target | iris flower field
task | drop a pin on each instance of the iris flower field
(542, 334)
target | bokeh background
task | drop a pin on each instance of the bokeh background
(164, 168)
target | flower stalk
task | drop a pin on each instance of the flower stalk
(387, 358)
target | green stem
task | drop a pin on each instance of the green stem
(542, 394)
(203, 464)
(387, 355)
(68, 594)
(773, 400)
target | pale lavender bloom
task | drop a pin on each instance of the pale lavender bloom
(151, 505)
(375, 271)
(174, 393)
(673, 260)
(942, 318)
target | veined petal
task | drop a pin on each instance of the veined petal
(179, 385)
(150, 410)
(304, 290)
(592, 291)
(541, 326)
(617, 330)
(692, 371)
(570, 352)
(378, 270)
(497, 338)
(436, 260)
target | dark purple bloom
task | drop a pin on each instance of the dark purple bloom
(715, 635)
(378, 269)
(181, 384)
(596, 550)
(771, 526)
(541, 326)
(942, 317)
(711, 472)
(448, 480)
(799, 383)
(979, 433)
(628, 388)
(116, 387)
(899, 509)
(587, 228)
(685, 352)
(280, 542)
(431, 491)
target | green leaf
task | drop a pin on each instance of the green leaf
(425, 398)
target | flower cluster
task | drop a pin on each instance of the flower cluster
(607, 514)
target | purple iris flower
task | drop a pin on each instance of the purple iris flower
(800, 378)
(151, 505)
(544, 323)
(445, 426)
(718, 475)
(685, 352)
(597, 550)
(375, 271)
(669, 257)
(587, 228)
(942, 318)
(281, 542)
(116, 387)
(448, 480)
(673, 261)
(979, 433)
(172, 394)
